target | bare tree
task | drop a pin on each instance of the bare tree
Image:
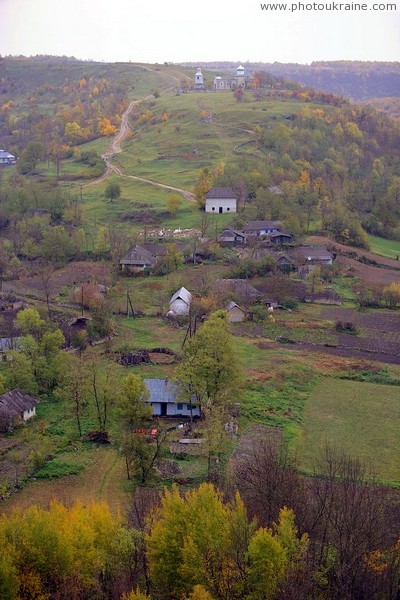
(46, 276)
(118, 242)
(267, 479)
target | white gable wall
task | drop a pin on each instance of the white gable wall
(30, 412)
(179, 307)
(218, 205)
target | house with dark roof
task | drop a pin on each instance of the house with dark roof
(238, 289)
(165, 399)
(232, 237)
(221, 200)
(6, 158)
(312, 255)
(258, 228)
(279, 238)
(137, 260)
(16, 407)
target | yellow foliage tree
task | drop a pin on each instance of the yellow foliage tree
(106, 127)
(60, 548)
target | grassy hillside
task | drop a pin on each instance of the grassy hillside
(360, 418)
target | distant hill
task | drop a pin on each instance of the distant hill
(353, 79)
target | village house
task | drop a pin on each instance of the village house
(259, 228)
(238, 289)
(221, 200)
(165, 400)
(280, 238)
(16, 407)
(232, 237)
(312, 255)
(235, 313)
(6, 158)
(137, 260)
(179, 305)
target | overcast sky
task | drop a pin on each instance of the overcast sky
(183, 30)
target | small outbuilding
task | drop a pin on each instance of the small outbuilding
(235, 313)
(16, 407)
(180, 302)
(165, 399)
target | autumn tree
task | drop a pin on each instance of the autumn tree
(106, 128)
(173, 204)
(62, 552)
(198, 539)
(391, 295)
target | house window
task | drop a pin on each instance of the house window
(228, 208)
(189, 406)
(213, 208)
(180, 406)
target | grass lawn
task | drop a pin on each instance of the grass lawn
(383, 247)
(361, 418)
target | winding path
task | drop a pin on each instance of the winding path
(115, 147)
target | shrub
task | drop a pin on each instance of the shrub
(58, 469)
(346, 326)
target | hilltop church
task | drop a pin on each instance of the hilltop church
(240, 80)
(223, 84)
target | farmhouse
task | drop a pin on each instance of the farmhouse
(258, 228)
(239, 289)
(15, 408)
(6, 158)
(280, 238)
(165, 399)
(232, 237)
(180, 302)
(313, 255)
(137, 260)
(221, 200)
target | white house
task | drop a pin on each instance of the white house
(180, 302)
(6, 158)
(165, 399)
(221, 200)
(15, 407)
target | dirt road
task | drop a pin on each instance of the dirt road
(115, 147)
